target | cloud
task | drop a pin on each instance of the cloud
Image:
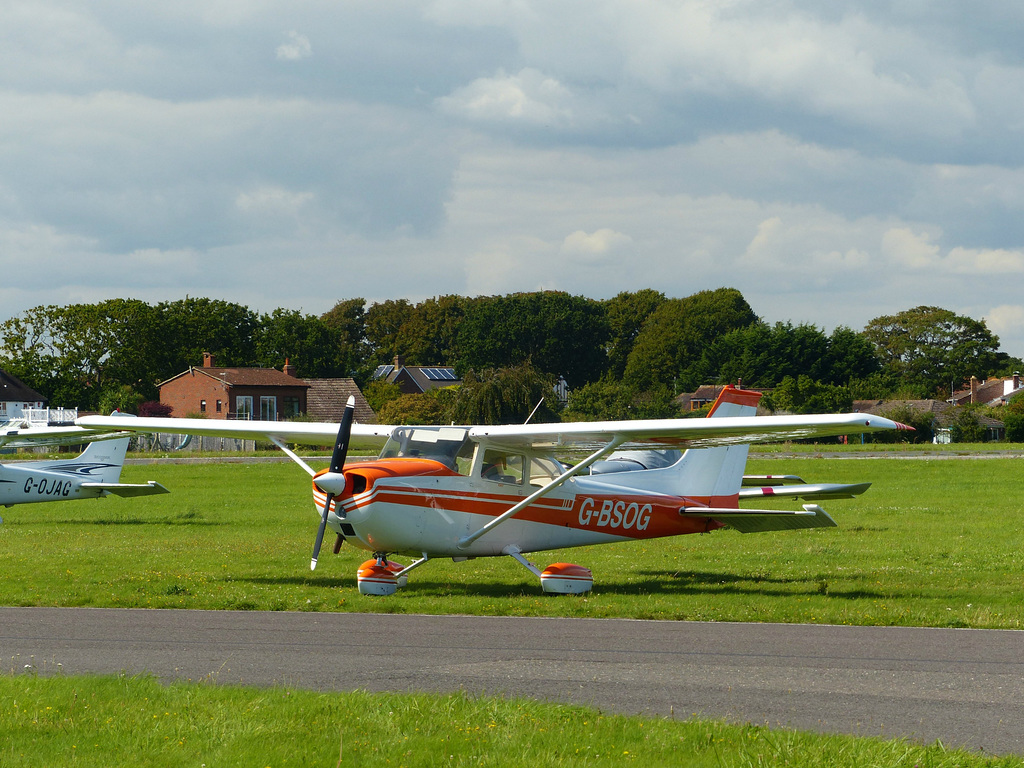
(527, 97)
(1006, 319)
(916, 252)
(594, 246)
(297, 47)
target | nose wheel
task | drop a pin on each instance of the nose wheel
(383, 577)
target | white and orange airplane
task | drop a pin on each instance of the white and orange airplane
(485, 491)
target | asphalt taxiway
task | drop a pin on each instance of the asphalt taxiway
(963, 687)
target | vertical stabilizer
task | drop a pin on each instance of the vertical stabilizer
(700, 472)
(100, 462)
(718, 472)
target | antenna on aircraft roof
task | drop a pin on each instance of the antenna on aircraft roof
(533, 411)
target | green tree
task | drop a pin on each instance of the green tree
(611, 400)
(933, 347)
(553, 332)
(73, 354)
(627, 312)
(412, 409)
(1014, 423)
(384, 323)
(668, 349)
(504, 396)
(347, 319)
(379, 392)
(805, 395)
(192, 326)
(309, 343)
(430, 335)
(966, 427)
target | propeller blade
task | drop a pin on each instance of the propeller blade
(337, 466)
(320, 531)
(344, 432)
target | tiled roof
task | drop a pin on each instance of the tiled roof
(326, 398)
(245, 377)
(422, 377)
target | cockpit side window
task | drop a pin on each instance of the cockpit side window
(502, 466)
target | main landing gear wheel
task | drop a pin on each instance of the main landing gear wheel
(566, 579)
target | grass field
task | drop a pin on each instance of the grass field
(135, 721)
(933, 543)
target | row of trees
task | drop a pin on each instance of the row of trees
(623, 357)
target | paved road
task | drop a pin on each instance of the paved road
(965, 687)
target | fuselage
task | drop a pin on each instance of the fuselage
(429, 501)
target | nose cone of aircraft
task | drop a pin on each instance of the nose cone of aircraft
(331, 482)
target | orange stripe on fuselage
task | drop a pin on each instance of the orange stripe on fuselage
(630, 516)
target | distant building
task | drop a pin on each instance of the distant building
(943, 415)
(266, 394)
(326, 400)
(989, 392)
(17, 398)
(416, 379)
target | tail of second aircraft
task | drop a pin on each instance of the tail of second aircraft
(95, 472)
(100, 462)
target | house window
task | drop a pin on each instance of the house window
(290, 407)
(268, 408)
(243, 407)
(219, 406)
(202, 406)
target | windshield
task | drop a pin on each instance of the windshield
(447, 445)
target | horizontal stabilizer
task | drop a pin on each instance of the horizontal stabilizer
(760, 520)
(128, 489)
(808, 492)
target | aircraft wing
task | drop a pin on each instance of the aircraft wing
(683, 433)
(670, 433)
(303, 432)
(17, 436)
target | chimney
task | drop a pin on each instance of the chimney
(207, 360)
(399, 361)
(289, 369)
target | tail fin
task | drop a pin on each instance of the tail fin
(718, 472)
(100, 462)
(715, 473)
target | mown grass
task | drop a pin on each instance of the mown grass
(933, 543)
(112, 720)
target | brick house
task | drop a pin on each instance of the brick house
(266, 394)
(990, 392)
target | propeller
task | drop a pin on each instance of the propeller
(333, 481)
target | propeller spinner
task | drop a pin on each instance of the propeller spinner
(333, 481)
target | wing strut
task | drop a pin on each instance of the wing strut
(616, 441)
(292, 454)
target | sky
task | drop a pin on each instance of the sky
(833, 161)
